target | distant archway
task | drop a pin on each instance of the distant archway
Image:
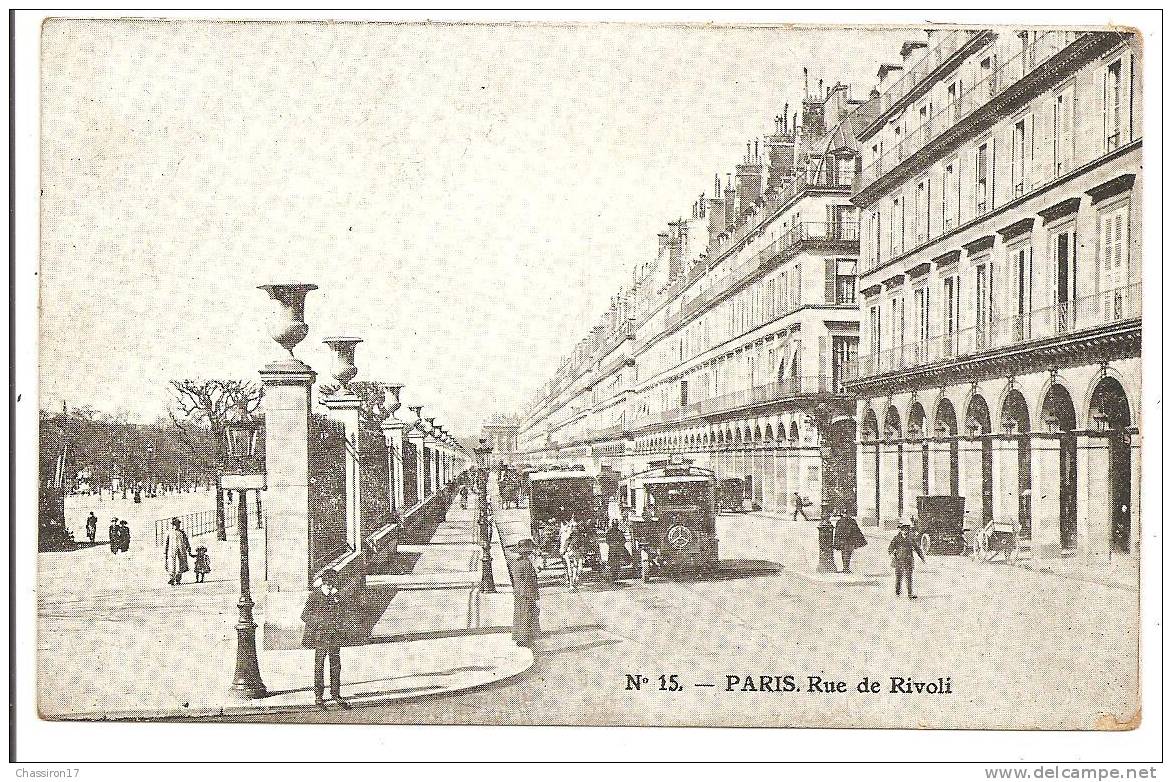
(1059, 418)
(1110, 411)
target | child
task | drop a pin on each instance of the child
(203, 563)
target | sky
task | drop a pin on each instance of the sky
(466, 197)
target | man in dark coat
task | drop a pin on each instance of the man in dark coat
(115, 536)
(91, 527)
(847, 538)
(526, 620)
(124, 536)
(903, 550)
(324, 633)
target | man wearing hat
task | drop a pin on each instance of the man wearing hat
(115, 536)
(176, 550)
(324, 618)
(904, 549)
(526, 622)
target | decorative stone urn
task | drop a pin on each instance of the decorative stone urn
(391, 401)
(287, 324)
(344, 368)
(430, 422)
(418, 410)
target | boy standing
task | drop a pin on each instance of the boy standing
(323, 617)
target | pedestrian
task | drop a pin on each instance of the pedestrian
(91, 526)
(176, 550)
(463, 498)
(523, 572)
(616, 549)
(800, 505)
(847, 538)
(123, 535)
(324, 616)
(203, 564)
(903, 550)
(115, 536)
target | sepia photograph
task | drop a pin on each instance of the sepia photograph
(571, 373)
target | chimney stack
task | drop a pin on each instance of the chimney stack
(749, 176)
(730, 207)
(675, 249)
(715, 214)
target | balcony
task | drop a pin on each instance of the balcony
(999, 79)
(1088, 312)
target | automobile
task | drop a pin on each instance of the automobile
(674, 526)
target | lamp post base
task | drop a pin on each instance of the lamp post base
(247, 682)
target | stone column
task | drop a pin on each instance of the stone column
(1006, 480)
(286, 407)
(393, 436)
(971, 485)
(417, 440)
(913, 473)
(1044, 463)
(1093, 498)
(940, 465)
(888, 485)
(865, 470)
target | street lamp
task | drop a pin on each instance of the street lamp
(241, 439)
(487, 584)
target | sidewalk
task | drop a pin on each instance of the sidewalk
(800, 556)
(116, 642)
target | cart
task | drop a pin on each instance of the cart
(993, 539)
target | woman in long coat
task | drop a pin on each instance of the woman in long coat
(526, 620)
(176, 550)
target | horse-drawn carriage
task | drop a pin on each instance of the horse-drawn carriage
(509, 487)
(565, 515)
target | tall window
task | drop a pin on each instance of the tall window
(1113, 106)
(1113, 255)
(922, 317)
(981, 179)
(844, 351)
(844, 171)
(1021, 263)
(1063, 131)
(875, 323)
(896, 226)
(1064, 249)
(951, 313)
(845, 276)
(922, 219)
(897, 328)
(796, 281)
(947, 197)
(983, 291)
(1017, 157)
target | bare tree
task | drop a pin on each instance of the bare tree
(203, 410)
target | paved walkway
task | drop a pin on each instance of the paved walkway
(116, 642)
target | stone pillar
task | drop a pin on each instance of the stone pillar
(865, 470)
(417, 439)
(393, 436)
(1044, 463)
(1093, 498)
(913, 475)
(343, 406)
(939, 465)
(971, 485)
(286, 405)
(1006, 480)
(889, 485)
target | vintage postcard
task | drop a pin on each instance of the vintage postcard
(607, 374)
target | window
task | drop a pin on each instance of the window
(876, 342)
(896, 226)
(1021, 271)
(983, 291)
(844, 172)
(981, 179)
(844, 351)
(923, 315)
(921, 219)
(951, 314)
(797, 283)
(1017, 156)
(1113, 106)
(948, 201)
(1063, 131)
(845, 275)
(1113, 255)
(897, 323)
(771, 303)
(1063, 243)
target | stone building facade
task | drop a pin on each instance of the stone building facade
(1000, 286)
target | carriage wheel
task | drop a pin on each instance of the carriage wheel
(926, 543)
